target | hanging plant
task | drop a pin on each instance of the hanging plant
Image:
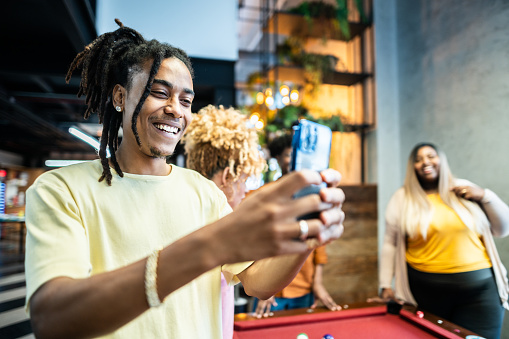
(291, 52)
(337, 13)
(289, 115)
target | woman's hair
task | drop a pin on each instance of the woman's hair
(417, 211)
(114, 58)
(219, 138)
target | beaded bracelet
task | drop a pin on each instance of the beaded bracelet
(151, 279)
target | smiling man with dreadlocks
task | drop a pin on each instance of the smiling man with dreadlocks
(133, 247)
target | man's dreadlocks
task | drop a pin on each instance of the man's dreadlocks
(113, 58)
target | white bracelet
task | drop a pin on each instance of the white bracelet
(151, 279)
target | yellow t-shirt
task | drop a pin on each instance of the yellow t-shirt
(78, 227)
(450, 247)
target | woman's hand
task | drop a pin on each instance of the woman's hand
(472, 193)
(386, 295)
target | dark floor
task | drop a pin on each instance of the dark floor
(14, 321)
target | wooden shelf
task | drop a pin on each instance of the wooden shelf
(290, 24)
(296, 74)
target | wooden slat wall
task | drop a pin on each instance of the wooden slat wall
(351, 275)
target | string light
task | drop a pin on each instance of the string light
(260, 98)
(269, 101)
(284, 90)
(294, 95)
(254, 118)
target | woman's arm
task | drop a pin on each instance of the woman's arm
(495, 209)
(497, 212)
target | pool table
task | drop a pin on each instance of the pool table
(353, 321)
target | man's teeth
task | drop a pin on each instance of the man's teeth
(166, 128)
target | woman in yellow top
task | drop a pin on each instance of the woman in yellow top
(439, 245)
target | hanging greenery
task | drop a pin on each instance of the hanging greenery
(289, 115)
(322, 10)
(292, 52)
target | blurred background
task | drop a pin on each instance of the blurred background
(384, 75)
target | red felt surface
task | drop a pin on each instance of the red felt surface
(371, 322)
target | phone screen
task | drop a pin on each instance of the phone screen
(311, 146)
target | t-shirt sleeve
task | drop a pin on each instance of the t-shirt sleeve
(56, 243)
(230, 271)
(320, 256)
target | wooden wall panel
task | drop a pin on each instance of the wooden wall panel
(351, 275)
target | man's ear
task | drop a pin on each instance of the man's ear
(224, 176)
(118, 97)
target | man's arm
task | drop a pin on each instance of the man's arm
(266, 277)
(264, 225)
(320, 292)
(82, 308)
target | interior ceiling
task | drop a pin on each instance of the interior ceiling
(39, 40)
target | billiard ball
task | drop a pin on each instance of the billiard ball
(327, 336)
(420, 314)
(302, 336)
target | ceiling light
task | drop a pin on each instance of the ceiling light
(62, 163)
(88, 139)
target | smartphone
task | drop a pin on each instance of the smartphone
(311, 147)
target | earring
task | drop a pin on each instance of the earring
(118, 108)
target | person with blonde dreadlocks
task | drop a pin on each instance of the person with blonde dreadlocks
(220, 146)
(133, 247)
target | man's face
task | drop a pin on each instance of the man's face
(238, 191)
(166, 112)
(284, 160)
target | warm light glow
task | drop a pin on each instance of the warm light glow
(259, 125)
(254, 118)
(286, 101)
(259, 98)
(269, 101)
(268, 92)
(284, 90)
(294, 96)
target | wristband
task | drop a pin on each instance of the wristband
(151, 279)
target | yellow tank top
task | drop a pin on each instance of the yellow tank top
(450, 247)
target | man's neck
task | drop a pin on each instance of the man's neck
(143, 164)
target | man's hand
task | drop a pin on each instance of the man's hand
(321, 295)
(265, 224)
(263, 307)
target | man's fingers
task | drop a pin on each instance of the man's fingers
(332, 195)
(291, 183)
(295, 229)
(331, 177)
